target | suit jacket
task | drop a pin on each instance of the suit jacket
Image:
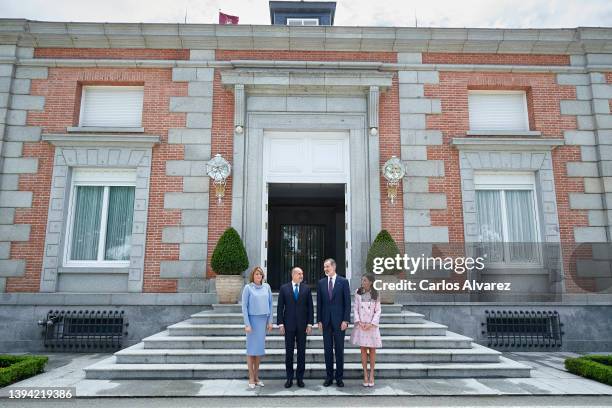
(338, 309)
(294, 315)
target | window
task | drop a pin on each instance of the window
(100, 216)
(303, 21)
(507, 217)
(111, 106)
(498, 111)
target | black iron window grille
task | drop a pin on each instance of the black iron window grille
(84, 330)
(522, 328)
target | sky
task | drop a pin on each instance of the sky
(402, 13)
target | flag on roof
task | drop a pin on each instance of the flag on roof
(227, 19)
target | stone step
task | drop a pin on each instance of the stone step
(208, 317)
(108, 369)
(137, 354)
(187, 328)
(237, 308)
(163, 340)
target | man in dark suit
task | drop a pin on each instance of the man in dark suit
(294, 317)
(333, 315)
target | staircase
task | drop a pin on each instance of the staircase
(211, 345)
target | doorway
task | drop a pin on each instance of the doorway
(306, 224)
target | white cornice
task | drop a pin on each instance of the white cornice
(253, 37)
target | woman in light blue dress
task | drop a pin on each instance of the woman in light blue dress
(257, 313)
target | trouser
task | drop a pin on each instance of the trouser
(291, 339)
(333, 342)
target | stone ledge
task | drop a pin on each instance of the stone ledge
(189, 74)
(481, 143)
(101, 140)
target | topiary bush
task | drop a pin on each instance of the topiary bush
(384, 246)
(229, 256)
(595, 367)
(17, 368)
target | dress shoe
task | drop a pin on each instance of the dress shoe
(340, 383)
(300, 383)
(288, 383)
(327, 383)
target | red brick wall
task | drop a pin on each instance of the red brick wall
(61, 92)
(545, 117)
(32, 251)
(390, 145)
(499, 59)
(220, 215)
(111, 53)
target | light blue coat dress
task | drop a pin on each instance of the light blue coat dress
(257, 313)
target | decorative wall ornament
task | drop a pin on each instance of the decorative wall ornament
(218, 169)
(393, 170)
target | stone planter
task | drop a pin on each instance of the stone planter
(229, 287)
(387, 297)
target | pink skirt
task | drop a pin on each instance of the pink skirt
(366, 338)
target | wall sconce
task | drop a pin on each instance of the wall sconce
(393, 170)
(218, 169)
(373, 131)
(239, 129)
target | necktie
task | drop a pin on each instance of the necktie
(295, 292)
(330, 287)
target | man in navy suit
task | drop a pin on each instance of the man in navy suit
(294, 316)
(333, 315)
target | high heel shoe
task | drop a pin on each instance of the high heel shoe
(251, 386)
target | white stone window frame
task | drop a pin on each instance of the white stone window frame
(302, 21)
(503, 181)
(500, 93)
(87, 176)
(98, 151)
(512, 155)
(87, 126)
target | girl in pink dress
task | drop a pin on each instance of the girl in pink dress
(366, 334)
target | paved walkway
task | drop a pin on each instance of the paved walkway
(549, 378)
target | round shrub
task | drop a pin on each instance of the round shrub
(229, 256)
(383, 247)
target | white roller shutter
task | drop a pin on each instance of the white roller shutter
(303, 21)
(112, 106)
(506, 111)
